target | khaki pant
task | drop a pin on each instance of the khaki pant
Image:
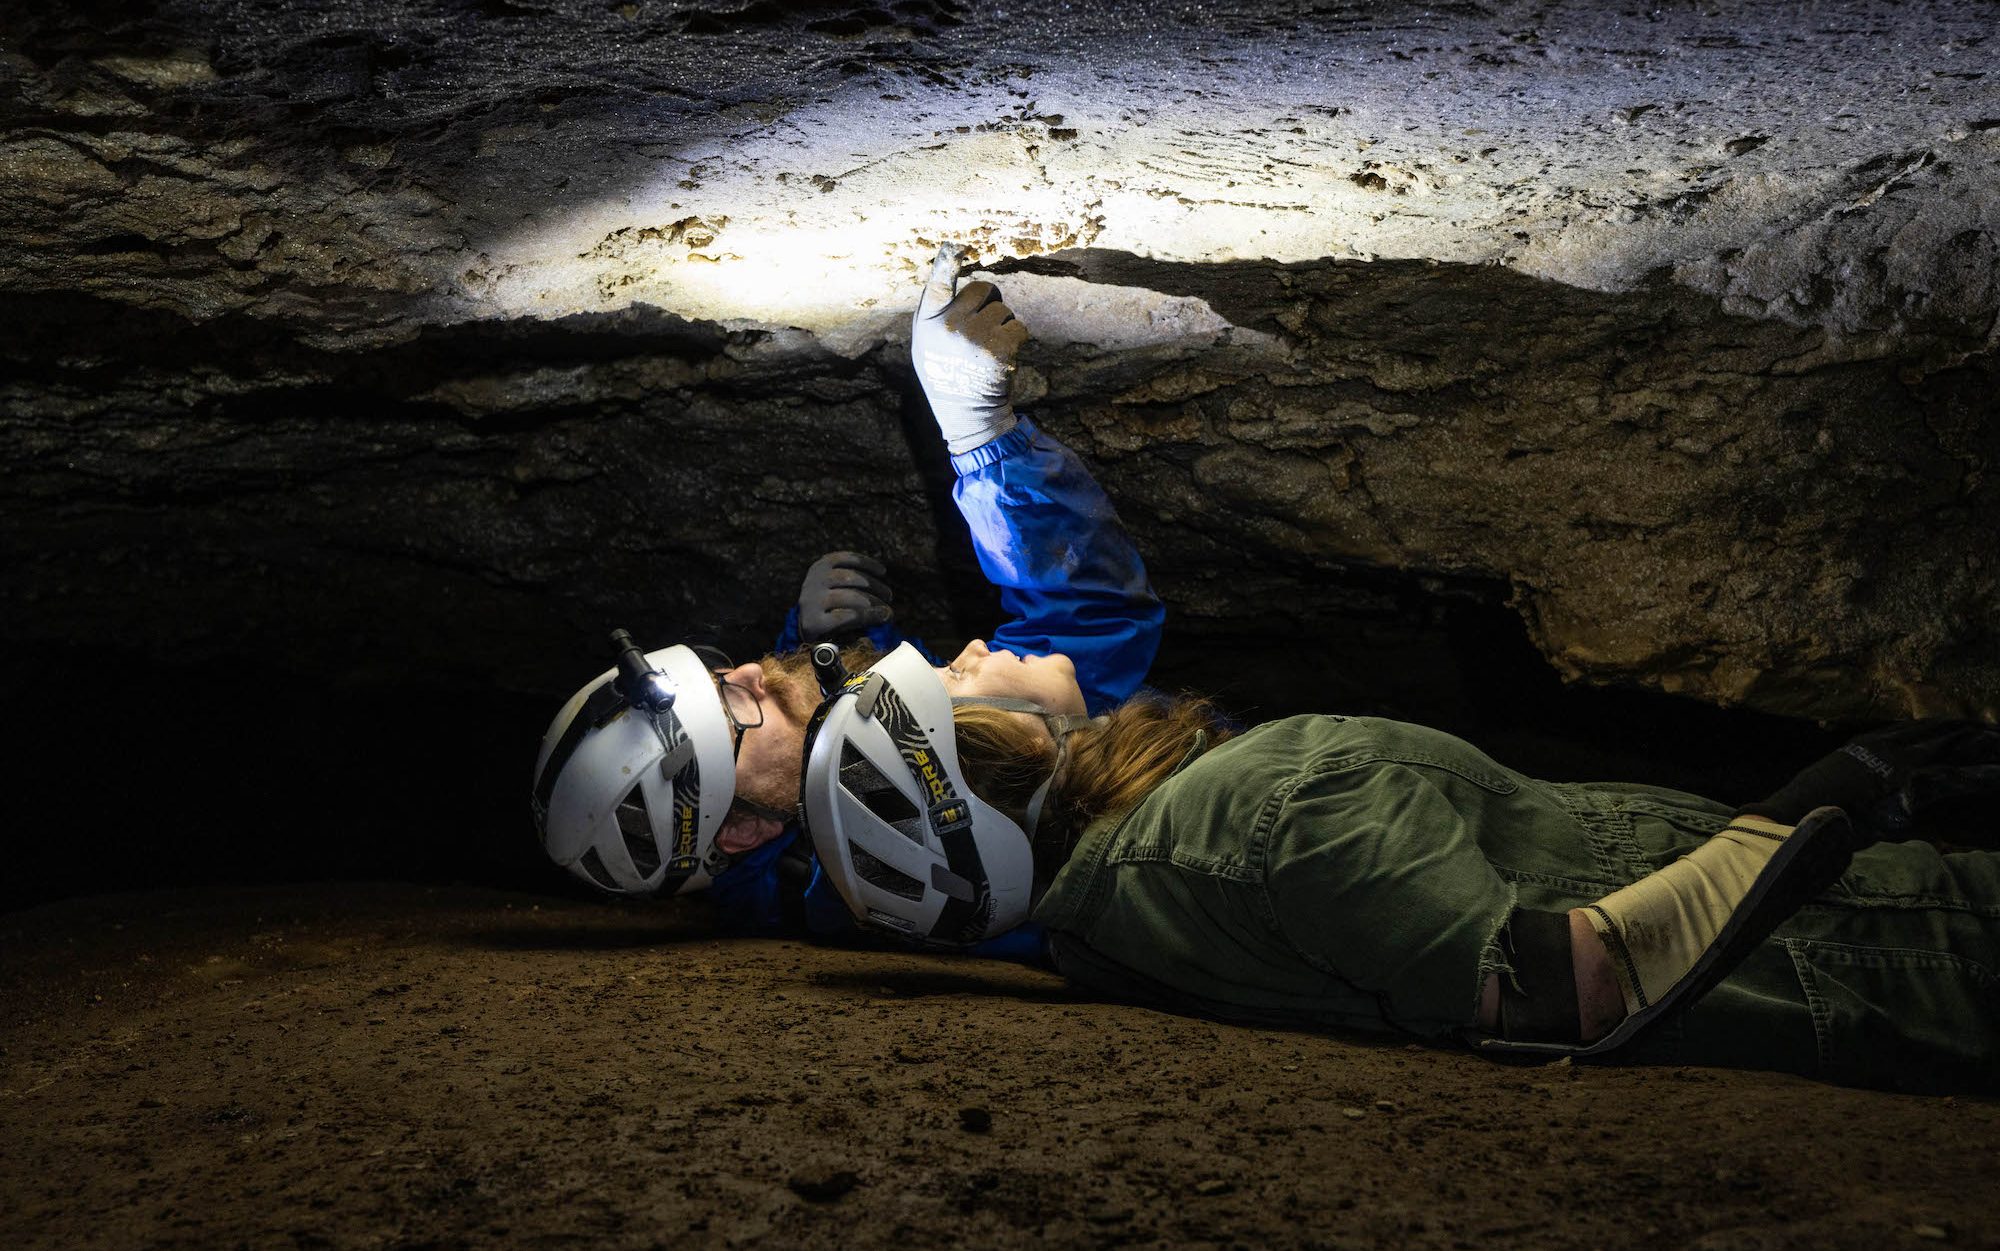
(1356, 872)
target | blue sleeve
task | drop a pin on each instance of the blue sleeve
(788, 634)
(1026, 943)
(746, 893)
(1049, 539)
(750, 900)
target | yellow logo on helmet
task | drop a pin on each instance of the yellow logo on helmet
(927, 768)
(682, 861)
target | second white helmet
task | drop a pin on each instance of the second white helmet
(897, 830)
(636, 774)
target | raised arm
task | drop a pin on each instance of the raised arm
(1046, 534)
(1068, 573)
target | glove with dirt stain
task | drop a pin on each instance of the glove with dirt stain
(963, 344)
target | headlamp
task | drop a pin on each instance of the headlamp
(642, 685)
(828, 669)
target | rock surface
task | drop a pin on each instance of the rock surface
(346, 331)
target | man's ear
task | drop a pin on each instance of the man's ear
(750, 677)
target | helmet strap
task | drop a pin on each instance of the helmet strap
(764, 812)
(1061, 724)
(1041, 795)
(676, 743)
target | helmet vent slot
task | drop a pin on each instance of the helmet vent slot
(636, 825)
(594, 865)
(860, 778)
(885, 875)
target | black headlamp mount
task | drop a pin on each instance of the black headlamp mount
(636, 679)
(828, 668)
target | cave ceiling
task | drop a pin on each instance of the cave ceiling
(371, 325)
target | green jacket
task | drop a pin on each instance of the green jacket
(1356, 872)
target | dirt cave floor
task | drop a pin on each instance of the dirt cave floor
(342, 1065)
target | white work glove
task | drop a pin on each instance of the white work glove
(963, 346)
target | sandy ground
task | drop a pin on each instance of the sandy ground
(345, 1065)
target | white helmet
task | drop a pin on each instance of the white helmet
(636, 773)
(902, 837)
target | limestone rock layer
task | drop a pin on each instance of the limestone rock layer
(398, 337)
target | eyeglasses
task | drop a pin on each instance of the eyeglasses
(745, 712)
(744, 709)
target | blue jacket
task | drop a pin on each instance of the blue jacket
(1048, 538)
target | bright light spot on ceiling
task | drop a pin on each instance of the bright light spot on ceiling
(827, 218)
(825, 215)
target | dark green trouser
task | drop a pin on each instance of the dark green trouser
(1356, 872)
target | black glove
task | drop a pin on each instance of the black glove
(843, 594)
(1880, 772)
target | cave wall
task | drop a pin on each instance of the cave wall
(1671, 495)
(272, 383)
(1658, 488)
